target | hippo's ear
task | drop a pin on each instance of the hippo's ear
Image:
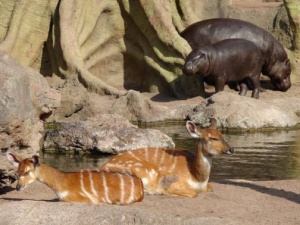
(287, 62)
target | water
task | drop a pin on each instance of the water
(258, 156)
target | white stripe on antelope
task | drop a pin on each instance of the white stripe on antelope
(84, 186)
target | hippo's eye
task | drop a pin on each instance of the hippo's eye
(195, 61)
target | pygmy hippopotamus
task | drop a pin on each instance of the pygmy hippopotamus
(231, 60)
(276, 63)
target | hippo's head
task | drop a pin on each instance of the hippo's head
(280, 75)
(196, 61)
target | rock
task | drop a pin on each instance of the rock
(235, 111)
(6, 178)
(74, 99)
(135, 107)
(104, 133)
(26, 99)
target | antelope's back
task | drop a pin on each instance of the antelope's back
(147, 159)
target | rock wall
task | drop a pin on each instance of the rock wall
(111, 46)
(26, 100)
(293, 9)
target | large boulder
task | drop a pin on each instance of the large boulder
(106, 133)
(239, 112)
(26, 99)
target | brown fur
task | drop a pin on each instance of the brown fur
(85, 186)
(174, 171)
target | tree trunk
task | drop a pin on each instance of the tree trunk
(293, 8)
(111, 46)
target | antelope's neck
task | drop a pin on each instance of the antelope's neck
(202, 164)
(51, 177)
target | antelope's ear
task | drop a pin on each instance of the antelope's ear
(35, 161)
(192, 129)
(13, 159)
(213, 123)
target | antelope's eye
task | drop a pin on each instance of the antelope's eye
(213, 138)
(26, 173)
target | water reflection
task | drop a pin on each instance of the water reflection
(74, 162)
(258, 156)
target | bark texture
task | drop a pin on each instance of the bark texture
(293, 8)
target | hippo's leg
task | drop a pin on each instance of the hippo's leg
(255, 93)
(243, 88)
(219, 85)
(256, 86)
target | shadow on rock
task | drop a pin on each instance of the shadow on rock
(5, 190)
(34, 200)
(291, 196)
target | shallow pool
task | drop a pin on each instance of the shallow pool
(258, 156)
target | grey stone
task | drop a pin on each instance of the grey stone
(26, 99)
(240, 112)
(108, 133)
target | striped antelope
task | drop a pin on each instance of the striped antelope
(84, 186)
(176, 172)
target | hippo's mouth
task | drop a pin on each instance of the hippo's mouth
(282, 85)
(189, 69)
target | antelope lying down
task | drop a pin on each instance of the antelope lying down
(85, 186)
(174, 171)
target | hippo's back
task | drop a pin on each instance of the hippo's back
(214, 30)
(276, 64)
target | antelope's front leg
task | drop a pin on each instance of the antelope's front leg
(150, 179)
(209, 187)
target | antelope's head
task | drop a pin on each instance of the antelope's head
(211, 139)
(27, 171)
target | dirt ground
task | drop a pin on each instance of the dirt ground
(231, 202)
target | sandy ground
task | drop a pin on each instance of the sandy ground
(231, 202)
